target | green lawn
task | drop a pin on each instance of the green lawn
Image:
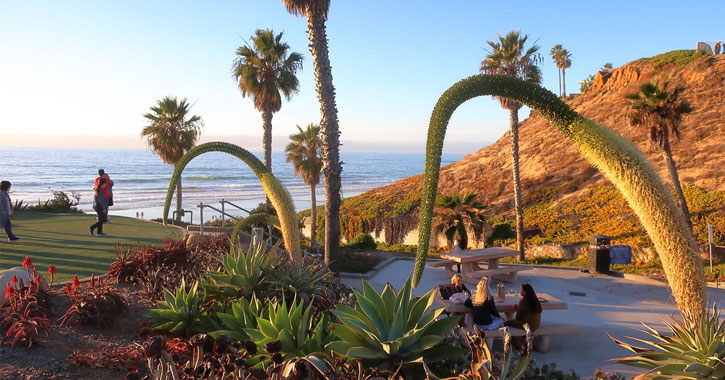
(63, 240)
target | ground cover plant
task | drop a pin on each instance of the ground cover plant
(97, 305)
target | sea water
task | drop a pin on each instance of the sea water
(142, 179)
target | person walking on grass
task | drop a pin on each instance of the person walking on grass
(107, 189)
(6, 209)
(100, 204)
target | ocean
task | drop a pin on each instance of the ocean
(141, 178)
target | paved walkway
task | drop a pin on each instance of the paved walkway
(609, 305)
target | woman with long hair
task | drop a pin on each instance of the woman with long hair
(457, 284)
(528, 310)
(485, 315)
(6, 209)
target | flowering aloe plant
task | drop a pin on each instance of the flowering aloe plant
(391, 329)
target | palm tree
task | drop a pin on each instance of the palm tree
(172, 132)
(304, 153)
(562, 58)
(316, 13)
(455, 214)
(555, 54)
(661, 111)
(509, 57)
(266, 71)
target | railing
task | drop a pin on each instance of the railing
(225, 215)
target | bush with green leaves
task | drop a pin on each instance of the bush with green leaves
(61, 202)
(689, 351)
(391, 329)
(296, 330)
(362, 241)
(178, 313)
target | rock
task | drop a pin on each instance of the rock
(6, 275)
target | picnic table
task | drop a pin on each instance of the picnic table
(476, 263)
(506, 306)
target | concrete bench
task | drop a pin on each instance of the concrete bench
(505, 274)
(448, 264)
(541, 336)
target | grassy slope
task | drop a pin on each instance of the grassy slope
(63, 241)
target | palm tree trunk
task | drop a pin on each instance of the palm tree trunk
(330, 136)
(518, 209)
(559, 82)
(672, 168)
(563, 81)
(179, 207)
(267, 140)
(313, 204)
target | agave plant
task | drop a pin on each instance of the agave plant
(304, 282)
(391, 329)
(294, 327)
(690, 351)
(243, 274)
(243, 315)
(178, 313)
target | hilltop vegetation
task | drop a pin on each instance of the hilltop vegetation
(563, 195)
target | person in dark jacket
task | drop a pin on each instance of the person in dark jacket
(485, 315)
(6, 209)
(528, 310)
(458, 285)
(100, 204)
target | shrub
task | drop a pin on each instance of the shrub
(99, 307)
(61, 202)
(304, 281)
(24, 327)
(362, 241)
(358, 262)
(178, 313)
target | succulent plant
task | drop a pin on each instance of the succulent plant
(391, 329)
(178, 313)
(243, 315)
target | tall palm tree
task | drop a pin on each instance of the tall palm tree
(661, 111)
(316, 13)
(456, 213)
(555, 54)
(509, 57)
(172, 132)
(304, 153)
(562, 58)
(266, 71)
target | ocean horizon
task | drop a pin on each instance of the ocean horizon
(141, 178)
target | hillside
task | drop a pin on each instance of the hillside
(559, 185)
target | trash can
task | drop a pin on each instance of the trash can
(599, 254)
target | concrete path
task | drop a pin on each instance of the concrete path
(608, 305)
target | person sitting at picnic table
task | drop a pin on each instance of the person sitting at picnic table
(485, 315)
(528, 310)
(458, 285)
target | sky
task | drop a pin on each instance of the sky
(83, 73)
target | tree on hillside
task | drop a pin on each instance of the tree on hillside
(562, 58)
(456, 213)
(172, 132)
(586, 84)
(509, 57)
(661, 111)
(607, 67)
(266, 71)
(316, 13)
(304, 153)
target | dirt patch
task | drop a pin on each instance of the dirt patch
(47, 360)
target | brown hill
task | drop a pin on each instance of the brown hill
(550, 161)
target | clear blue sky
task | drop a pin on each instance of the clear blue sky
(84, 72)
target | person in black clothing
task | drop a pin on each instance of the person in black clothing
(485, 315)
(458, 285)
(100, 204)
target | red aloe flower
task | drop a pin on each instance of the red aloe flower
(67, 288)
(33, 272)
(75, 291)
(93, 282)
(37, 280)
(51, 270)
(14, 280)
(9, 292)
(75, 282)
(27, 263)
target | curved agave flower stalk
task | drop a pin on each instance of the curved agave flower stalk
(277, 193)
(251, 219)
(617, 158)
